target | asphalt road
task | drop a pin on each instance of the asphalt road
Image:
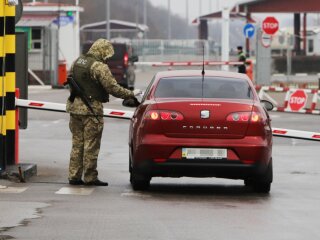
(189, 209)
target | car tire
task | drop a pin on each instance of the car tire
(262, 184)
(139, 182)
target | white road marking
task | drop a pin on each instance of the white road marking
(130, 193)
(75, 191)
(5, 189)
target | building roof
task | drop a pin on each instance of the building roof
(49, 7)
(116, 26)
(218, 15)
(36, 20)
(281, 6)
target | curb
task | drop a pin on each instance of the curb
(19, 172)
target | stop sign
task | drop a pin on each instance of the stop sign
(270, 25)
(298, 100)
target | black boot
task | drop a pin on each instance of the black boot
(76, 182)
(96, 182)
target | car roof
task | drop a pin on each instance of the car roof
(187, 73)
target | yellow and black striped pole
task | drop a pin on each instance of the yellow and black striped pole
(8, 84)
(10, 57)
(3, 126)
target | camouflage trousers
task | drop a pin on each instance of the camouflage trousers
(86, 140)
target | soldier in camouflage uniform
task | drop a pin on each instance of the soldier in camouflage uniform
(95, 79)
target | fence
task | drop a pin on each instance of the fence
(176, 50)
(165, 50)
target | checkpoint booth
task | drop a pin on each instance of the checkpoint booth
(53, 39)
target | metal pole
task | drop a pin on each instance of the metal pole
(3, 100)
(169, 19)
(137, 17)
(187, 18)
(77, 30)
(145, 12)
(305, 33)
(225, 36)
(289, 58)
(108, 19)
(145, 15)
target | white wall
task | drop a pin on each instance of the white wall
(316, 44)
(68, 49)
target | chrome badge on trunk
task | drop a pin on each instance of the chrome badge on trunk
(205, 114)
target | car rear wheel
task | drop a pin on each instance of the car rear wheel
(139, 181)
(262, 184)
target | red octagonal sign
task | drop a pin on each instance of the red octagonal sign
(270, 25)
(298, 100)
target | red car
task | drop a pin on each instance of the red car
(195, 125)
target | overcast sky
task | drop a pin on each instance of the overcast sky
(179, 6)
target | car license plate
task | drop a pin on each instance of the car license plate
(204, 153)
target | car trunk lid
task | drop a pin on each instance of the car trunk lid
(205, 119)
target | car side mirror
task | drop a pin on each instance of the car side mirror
(267, 105)
(134, 58)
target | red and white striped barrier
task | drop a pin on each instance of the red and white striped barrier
(59, 107)
(188, 63)
(295, 99)
(289, 133)
(112, 113)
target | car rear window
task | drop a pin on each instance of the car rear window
(212, 87)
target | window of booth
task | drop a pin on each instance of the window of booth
(36, 39)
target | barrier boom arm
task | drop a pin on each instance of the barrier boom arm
(60, 107)
(289, 133)
(112, 113)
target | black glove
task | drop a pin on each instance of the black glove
(131, 102)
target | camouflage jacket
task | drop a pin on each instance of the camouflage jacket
(101, 50)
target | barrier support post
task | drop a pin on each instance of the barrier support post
(10, 76)
(3, 126)
(17, 130)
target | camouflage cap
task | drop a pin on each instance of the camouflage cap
(101, 49)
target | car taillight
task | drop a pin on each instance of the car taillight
(164, 115)
(244, 117)
(126, 59)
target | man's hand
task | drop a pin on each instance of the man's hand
(131, 102)
(137, 92)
